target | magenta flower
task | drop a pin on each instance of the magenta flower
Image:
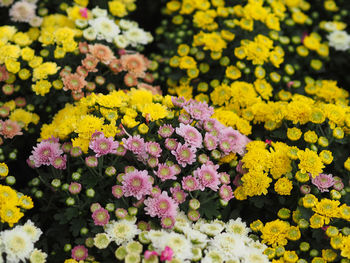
(45, 152)
(79, 253)
(190, 183)
(185, 118)
(148, 254)
(91, 161)
(323, 182)
(102, 145)
(184, 154)
(178, 194)
(166, 172)
(153, 148)
(226, 193)
(199, 110)
(166, 130)
(208, 177)
(137, 184)
(167, 254)
(101, 217)
(171, 144)
(210, 141)
(191, 135)
(60, 162)
(167, 222)
(231, 140)
(136, 144)
(161, 206)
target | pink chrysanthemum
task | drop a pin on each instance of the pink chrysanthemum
(91, 161)
(153, 148)
(45, 153)
(79, 253)
(74, 82)
(101, 217)
(171, 144)
(168, 222)
(209, 124)
(185, 118)
(136, 64)
(102, 145)
(74, 188)
(4, 75)
(136, 144)
(190, 183)
(165, 172)
(166, 130)
(137, 184)
(178, 194)
(226, 193)
(231, 140)
(94, 207)
(224, 178)
(199, 110)
(208, 177)
(102, 53)
(83, 47)
(9, 129)
(4, 112)
(323, 182)
(22, 11)
(178, 101)
(130, 80)
(117, 191)
(152, 161)
(82, 71)
(161, 206)
(121, 213)
(184, 154)
(60, 162)
(210, 141)
(191, 135)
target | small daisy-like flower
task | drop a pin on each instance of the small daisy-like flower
(10, 129)
(136, 64)
(117, 191)
(79, 252)
(136, 144)
(210, 141)
(101, 240)
(94, 207)
(76, 151)
(74, 188)
(184, 154)
(185, 118)
(22, 11)
(178, 194)
(116, 66)
(153, 148)
(101, 217)
(91, 161)
(74, 82)
(90, 63)
(178, 101)
(102, 53)
(121, 213)
(121, 231)
(167, 222)
(199, 110)
(166, 130)
(323, 182)
(190, 183)
(165, 172)
(102, 145)
(60, 162)
(137, 184)
(193, 215)
(45, 152)
(225, 192)
(161, 206)
(208, 177)
(191, 135)
(171, 144)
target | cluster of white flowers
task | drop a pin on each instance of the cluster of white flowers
(125, 33)
(339, 40)
(23, 11)
(17, 244)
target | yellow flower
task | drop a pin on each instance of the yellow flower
(310, 137)
(294, 134)
(4, 170)
(221, 94)
(310, 162)
(283, 186)
(10, 214)
(187, 62)
(326, 157)
(154, 111)
(41, 87)
(256, 183)
(316, 221)
(327, 208)
(233, 72)
(275, 233)
(26, 202)
(117, 8)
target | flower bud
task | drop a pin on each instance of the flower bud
(84, 231)
(194, 204)
(56, 183)
(70, 201)
(90, 192)
(10, 180)
(67, 247)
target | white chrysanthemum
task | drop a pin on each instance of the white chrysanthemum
(212, 229)
(330, 26)
(137, 36)
(237, 227)
(36, 21)
(90, 33)
(106, 28)
(127, 24)
(121, 41)
(101, 240)
(339, 40)
(229, 245)
(156, 237)
(37, 256)
(212, 256)
(99, 12)
(256, 245)
(16, 244)
(22, 11)
(33, 232)
(255, 256)
(196, 237)
(181, 246)
(6, 2)
(121, 231)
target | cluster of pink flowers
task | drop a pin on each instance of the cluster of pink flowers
(102, 145)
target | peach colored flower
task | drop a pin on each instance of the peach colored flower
(83, 47)
(135, 64)
(102, 53)
(90, 63)
(116, 66)
(10, 129)
(4, 75)
(74, 82)
(154, 89)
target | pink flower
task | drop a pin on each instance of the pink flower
(190, 183)
(148, 254)
(178, 194)
(136, 144)
(102, 145)
(199, 110)
(210, 141)
(91, 161)
(166, 130)
(171, 144)
(90, 63)
(74, 188)
(74, 82)
(237, 181)
(79, 253)
(101, 217)
(185, 118)
(208, 177)
(167, 222)
(9, 129)
(209, 124)
(226, 193)
(231, 140)
(83, 12)
(166, 172)
(117, 191)
(178, 101)
(137, 184)
(323, 182)
(167, 254)
(240, 169)
(161, 206)
(184, 154)
(45, 153)
(153, 148)
(191, 135)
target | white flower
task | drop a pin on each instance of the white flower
(137, 36)
(196, 237)
(255, 256)
(330, 26)
(22, 11)
(339, 40)
(212, 256)
(81, 23)
(90, 34)
(36, 21)
(181, 246)
(212, 229)
(121, 41)
(237, 227)
(127, 24)
(229, 245)
(101, 240)
(156, 237)
(33, 232)
(37, 256)
(105, 28)
(121, 231)
(17, 244)
(6, 2)
(99, 12)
